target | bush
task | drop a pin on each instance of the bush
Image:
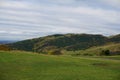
(105, 52)
(76, 54)
(55, 52)
(87, 54)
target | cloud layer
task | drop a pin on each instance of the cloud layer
(23, 19)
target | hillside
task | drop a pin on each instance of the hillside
(16, 65)
(64, 41)
(115, 38)
(114, 48)
(93, 51)
(26, 45)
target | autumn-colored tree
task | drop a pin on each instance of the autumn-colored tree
(4, 48)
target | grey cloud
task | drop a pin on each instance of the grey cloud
(34, 18)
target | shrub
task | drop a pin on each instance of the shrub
(87, 54)
(105, 52)
(55, 52)
(76, 54)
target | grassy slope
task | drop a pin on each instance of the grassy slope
(114, 47)
(26, 66)
(111, 47)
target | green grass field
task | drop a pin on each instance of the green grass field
(26, 66)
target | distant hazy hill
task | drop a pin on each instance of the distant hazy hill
(66, 41)
(6, 41)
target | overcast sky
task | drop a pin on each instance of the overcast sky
(24, 19)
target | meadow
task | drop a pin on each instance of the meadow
(20, 65)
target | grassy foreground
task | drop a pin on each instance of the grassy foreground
(27, 66)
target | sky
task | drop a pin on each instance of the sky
(25, 19)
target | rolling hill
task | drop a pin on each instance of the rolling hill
(69, 42)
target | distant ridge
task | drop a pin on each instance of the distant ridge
(6, 41)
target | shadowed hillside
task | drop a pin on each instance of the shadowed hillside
(115, 38)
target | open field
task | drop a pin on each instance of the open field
(17, 65)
